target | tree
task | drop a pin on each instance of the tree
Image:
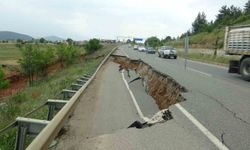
(3, 83)
(35, 61)
(228, 15)
(92, 45)
(42, 40)
(200, 23)
(168, 38)
(153, 41)
(66, 54)
(27, 62)
(69, 41)
(247, 8)
(42, 60)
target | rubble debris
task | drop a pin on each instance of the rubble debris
(160, 117)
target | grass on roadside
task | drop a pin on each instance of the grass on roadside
(32, 97)
(209, 58)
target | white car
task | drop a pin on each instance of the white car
(167, 52)
(141, 49)
(135, 47)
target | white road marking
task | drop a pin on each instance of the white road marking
(194, 70)
(211, 65)
(203, 129)
(134, 100)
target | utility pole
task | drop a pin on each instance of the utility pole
(186, 49)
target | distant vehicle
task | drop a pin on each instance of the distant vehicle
(150, 50)
(141, 49)
(167, 52)
(129, 46)
(237, 42)
(135, 47)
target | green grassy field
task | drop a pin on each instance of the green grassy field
(9, 53)
(32, 97)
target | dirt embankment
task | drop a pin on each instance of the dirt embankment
(163, 88)
(18, 81)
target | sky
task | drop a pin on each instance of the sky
(85, 19)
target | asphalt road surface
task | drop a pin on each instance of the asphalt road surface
(216, 110)
(218, 100)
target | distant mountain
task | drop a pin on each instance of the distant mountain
(53, 38)
(8, 35)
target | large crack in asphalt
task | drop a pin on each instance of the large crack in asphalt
(163, 88)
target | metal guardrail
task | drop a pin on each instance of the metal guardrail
(47, 135)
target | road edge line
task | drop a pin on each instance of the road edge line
(133, 98)
(194, 70)
(203, 129)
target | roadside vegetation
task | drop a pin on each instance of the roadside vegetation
(208, 58)
(207, 35)
(210, 34)
(75, 61)
(3, 83)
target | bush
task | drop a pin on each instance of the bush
(92, 45)
(153, 42)
(3, 83)
(66, 54)
(35, 61)
(18, 98)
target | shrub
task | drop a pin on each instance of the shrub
(35, 61)
(3, 83)
(92, 45)
(18, 98)
(153, 42)
(66, 54)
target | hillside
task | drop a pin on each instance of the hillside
(205, 40)
(8, 35)
(53, 38)
(210, 34)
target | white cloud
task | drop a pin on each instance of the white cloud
(96, 18)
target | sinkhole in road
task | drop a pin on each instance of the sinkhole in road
(163, 88)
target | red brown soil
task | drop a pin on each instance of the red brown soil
(19, 82)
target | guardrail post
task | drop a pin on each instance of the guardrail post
(27, 126)
(67, 94)
(79, 81)
(87, 76)
(20, 137)
(54, 105)
(51, 112)
(76, 86)
(84, 78)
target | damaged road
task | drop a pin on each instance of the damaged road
(218, 100)
(164, 89)
(106, 110)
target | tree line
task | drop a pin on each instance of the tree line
(36, 60)
(228, 15)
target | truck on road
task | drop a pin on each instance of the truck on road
(237, 42)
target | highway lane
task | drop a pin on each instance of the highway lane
(220, 101)
(106, 109)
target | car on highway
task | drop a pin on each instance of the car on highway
(141, 49)
(167, 52)
(135, 47)
(150, 50)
